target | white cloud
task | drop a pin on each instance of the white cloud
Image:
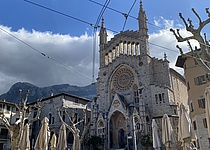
(165, 42)
(71, 58)
(19, 62)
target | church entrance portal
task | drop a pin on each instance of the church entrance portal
(117, 130)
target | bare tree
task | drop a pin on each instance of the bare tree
(78, 140)
(16, 129)
(196, 35)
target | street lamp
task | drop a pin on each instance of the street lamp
(133, 125)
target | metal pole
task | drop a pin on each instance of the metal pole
(134, 134)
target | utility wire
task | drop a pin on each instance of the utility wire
(99, 26)
(69, 16)
(102, 12)
(71, 68)
(43, 54)
(126, 15)
(89, 23)
(94, 35)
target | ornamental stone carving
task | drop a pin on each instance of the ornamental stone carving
(123, 79)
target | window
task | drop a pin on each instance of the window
(194, 142)
(191, 106)
(188, 86)
(138, 127)
(100, 127)
(194, 125)
(4, 133)
(163, 97)
(136, 96)
(205, 123)
(156, 98)
(209, 141)
(76, 100)
(64, 117)
(8, 109)
(160, 98)
(53, 120)
(201, 103)
(50, 118)
(175, 112)
(200, 80)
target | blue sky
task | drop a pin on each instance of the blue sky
(69, 41)
(21, 14)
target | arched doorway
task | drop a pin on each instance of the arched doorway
(121, 138)
(117, 131)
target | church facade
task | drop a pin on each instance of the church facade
(133, 88)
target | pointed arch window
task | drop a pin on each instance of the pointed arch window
(136, 96)
(101, 127)
(50, 118)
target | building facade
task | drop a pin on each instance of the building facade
(197, 80)
(74, 105)
(133, 88)
(11, 113)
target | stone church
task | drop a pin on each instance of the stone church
(133, 88)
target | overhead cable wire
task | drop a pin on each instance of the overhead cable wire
(114, 31)
(94, 36)
(102, 12)
(115, 10)
(43, 54)
(126, 15)
(69, 16)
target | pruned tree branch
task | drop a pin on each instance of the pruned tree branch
(197, 15)
(16, 129)
(4, 120)
(190, 46)
(59, 114)
(38, 113)
(196, 33)
(71, 119)
(73, 127)
(86, 127)
(180, 49)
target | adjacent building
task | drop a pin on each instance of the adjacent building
(133, 88)
(197, 80)
(74, 106)
(11, 113)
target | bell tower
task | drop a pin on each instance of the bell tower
(143, 31)
(103, 40)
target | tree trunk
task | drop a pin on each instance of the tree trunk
(14, 133)
(14, 143)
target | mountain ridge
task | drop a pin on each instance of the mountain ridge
(36, 92)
